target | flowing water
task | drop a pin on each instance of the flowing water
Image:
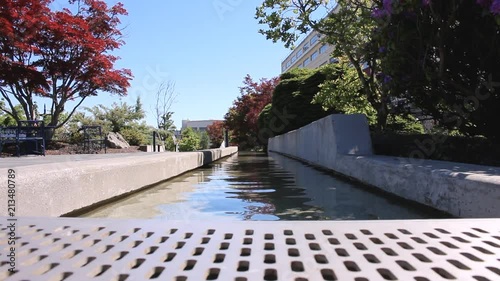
(253, 186)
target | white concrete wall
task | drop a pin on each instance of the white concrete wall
(59, 187)
(322, 141)
(342, 144)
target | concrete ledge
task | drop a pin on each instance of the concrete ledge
(53, 188)
(462, 190)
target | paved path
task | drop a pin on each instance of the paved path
(60, 184)
(12, 162)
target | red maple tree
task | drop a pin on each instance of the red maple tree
(242, 118)
(60, 55)
(216, 133)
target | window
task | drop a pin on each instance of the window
(314, 55)
(314, 39)
(294, 59)
(306, 47)
(288, 63)
(323, 49)
(300, 52)
(334, 60)
(307, 61)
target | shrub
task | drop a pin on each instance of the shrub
(404, 125)
(190, 140)
(204, 140)
(291, 106)
(134, 136)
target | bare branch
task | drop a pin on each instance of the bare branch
(71, 113)
(165, 97)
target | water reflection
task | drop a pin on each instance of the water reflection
(260, 187)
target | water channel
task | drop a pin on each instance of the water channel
(256, 186)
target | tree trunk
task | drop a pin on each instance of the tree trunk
(382, 114)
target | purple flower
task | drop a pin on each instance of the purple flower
(382, 49)
(379, 13)
(495, 7)
(388, 6)
(387, 79)
(426, 2)
(484, 3)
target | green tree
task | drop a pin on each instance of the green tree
(190, 140)
(291, 106)
(166, 130)
(8, 120)
(119, 118)
(170, 144)
(165, 97)
(342, 91)
(448, 66)
(204, 140)
(348, 26)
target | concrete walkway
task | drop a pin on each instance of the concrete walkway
(30, 160)
(60, 184)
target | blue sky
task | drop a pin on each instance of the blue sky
(205, 47)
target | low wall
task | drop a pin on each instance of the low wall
(60, 187)
(152, 148)
(342, 143)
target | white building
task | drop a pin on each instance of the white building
(197, 125)
(310, 52)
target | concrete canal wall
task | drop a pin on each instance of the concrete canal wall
(342, 143)
(54, 186)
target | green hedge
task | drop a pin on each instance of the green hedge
(473, 150)
(291, 106)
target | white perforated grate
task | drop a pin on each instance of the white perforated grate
(97, 249)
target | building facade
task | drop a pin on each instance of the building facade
(197, 125)
(310, 53)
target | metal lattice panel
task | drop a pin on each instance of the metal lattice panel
(103, 249)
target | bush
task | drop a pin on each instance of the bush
(134, 136)
(474, 150)
(204, 140)
(190, 140)
(75, 137)
(169, 143)
(448, 66)
(291, 106)
(404, 125)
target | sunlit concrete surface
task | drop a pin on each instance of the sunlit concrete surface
(29, 160)
(341, 143)
(57, 185)
(149, 205)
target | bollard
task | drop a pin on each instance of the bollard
(226, 138)
(154, 141)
